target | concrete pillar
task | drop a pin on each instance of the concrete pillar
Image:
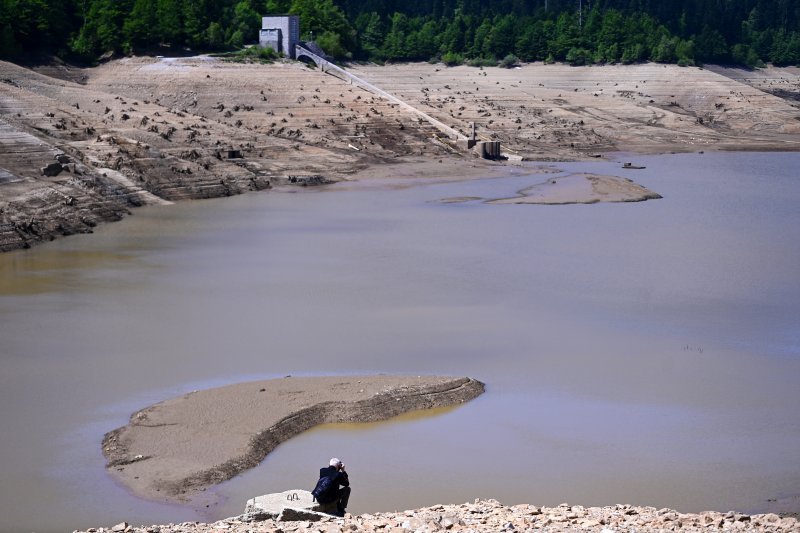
(488, 149)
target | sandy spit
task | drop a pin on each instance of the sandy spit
(581, 189)
(172, 449)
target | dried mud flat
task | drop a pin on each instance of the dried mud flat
(142, 131)
(178, 447)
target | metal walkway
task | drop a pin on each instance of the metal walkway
(302, 50)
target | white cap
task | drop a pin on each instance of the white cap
(335, 462)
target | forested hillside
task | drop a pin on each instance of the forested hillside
(747, 32)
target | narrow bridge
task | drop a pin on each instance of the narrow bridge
(314, 54)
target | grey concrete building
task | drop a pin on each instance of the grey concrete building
(281, 33)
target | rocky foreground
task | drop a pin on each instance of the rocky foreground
(491, 515)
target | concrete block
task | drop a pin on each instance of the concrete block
(292, 514)
(297, 500)
(466, 144)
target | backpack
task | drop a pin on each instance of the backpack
(323, 489)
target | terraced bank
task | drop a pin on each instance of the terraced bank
(150, 130)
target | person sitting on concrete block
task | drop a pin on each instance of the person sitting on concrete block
(333, 486)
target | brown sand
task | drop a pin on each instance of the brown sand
(147, 130)
(175, 448)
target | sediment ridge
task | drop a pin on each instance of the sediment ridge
(175, 448)
(492, 516)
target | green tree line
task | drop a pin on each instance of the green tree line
(746, 32)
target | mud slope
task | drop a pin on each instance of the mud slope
(148, 130)
(143, 131)
(546, 111)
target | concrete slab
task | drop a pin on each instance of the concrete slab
(297, 500)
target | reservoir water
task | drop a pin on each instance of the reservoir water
(644, 353)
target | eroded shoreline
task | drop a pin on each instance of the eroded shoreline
(175, 448)
(138, 131)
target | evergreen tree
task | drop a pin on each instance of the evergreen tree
(170, 25)
(102, 30)
(371, 33)
(320, 16)
(195, 22)
(395, 44)
(748, 32)
(247, 21)
(140, 28)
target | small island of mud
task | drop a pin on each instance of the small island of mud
(581, 189)
(180, 446)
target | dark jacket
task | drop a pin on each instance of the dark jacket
(331, 492)
(339, 478)
(336, 488)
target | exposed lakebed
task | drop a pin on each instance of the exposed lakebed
(644, 353)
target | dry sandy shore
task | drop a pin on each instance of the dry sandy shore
(180, 446)
(557, 111)
(492, 516)
(145, 130)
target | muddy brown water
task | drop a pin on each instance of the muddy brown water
(643, 353)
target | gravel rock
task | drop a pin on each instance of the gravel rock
(492, 516)
(52, 169)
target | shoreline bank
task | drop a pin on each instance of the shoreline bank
(140, 130)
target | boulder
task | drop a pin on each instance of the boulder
(298, 501)
(292, 514)
(309, 181)
(53, 169)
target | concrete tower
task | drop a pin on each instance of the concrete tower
(281, 33)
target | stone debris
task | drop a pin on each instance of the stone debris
(52, 169)
(492, 516)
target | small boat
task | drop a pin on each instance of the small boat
(631, 165)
